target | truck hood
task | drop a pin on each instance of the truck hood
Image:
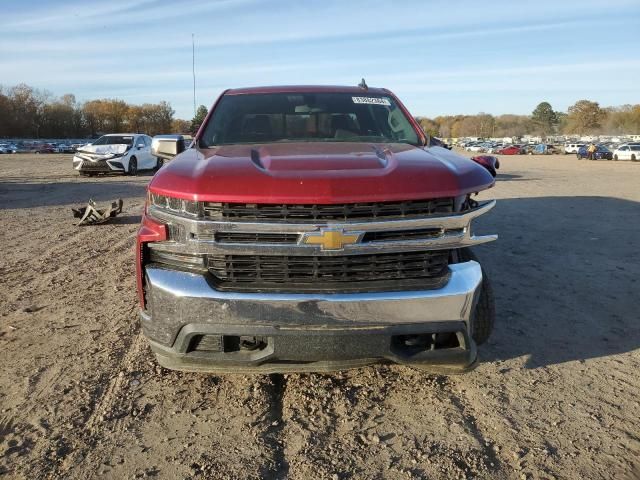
(319, 172)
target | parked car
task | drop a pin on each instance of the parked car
(263, 247)
(495, 148)
(64, 148)
(629, 151)
(511, 150)
(601, 153)
(8, 148)
(44, 148)
(118, 152)
(544, 149)
(573, 147)
(476, 147)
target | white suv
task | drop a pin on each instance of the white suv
(630, 151)
(573, 147)
(117, 152)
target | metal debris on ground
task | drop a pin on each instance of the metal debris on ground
(90, 215)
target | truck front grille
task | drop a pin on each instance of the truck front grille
(341, 212)
(318, 270)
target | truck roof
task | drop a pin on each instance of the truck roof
(307, 89)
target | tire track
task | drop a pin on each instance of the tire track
(273, 434)
(112, 397)
(470, 421)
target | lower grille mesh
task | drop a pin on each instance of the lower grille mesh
(242, 269)
(98, 166)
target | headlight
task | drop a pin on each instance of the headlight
(176, 205)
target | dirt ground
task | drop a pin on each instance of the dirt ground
(557, 394)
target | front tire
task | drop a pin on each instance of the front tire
(133, 167)
(159, 164)
(633, 158)
(484, 316)
(615, 158)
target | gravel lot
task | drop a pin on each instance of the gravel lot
(557, 394)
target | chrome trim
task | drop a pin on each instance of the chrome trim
(176, 298)
(455, 229)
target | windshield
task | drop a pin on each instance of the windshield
(114, 140)
(307, 117)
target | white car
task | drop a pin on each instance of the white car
(630, 151)
(476, 148)
(573, 147)
(117, 152)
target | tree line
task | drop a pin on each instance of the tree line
(582, 118)
(26, 112)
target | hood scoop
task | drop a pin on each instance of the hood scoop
(371, 157)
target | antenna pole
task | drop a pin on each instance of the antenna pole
(193, 70)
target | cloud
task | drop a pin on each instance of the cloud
(141, 49)
(115, 14)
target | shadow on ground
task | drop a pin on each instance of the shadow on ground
(509, 177)
(566, 275)
(71, 191)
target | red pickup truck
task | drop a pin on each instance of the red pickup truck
(312, 228)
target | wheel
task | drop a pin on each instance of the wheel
(633, 158)
(615, 158)
(159, 163)
(133, 167)
(484, 315)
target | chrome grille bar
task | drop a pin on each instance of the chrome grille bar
(199, 235)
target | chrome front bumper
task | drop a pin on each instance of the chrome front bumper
(184, 305)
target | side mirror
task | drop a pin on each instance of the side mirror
(168, 146)
(489, 162)
(141, 145)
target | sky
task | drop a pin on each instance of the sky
(440, 57)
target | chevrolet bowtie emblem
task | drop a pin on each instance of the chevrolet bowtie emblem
(331, 239)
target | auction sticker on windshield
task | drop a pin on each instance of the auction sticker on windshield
(372, 100)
